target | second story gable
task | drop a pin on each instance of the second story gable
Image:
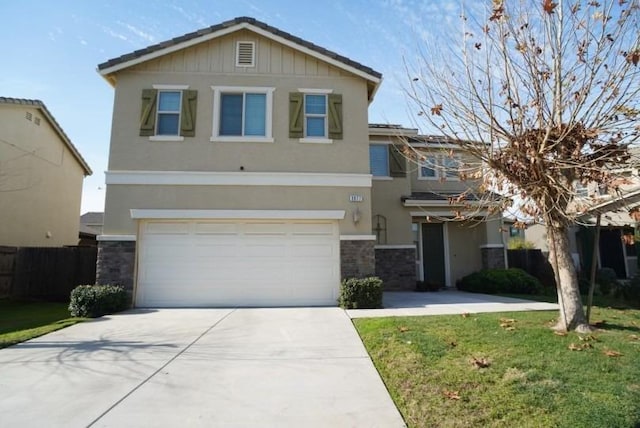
(239, 96)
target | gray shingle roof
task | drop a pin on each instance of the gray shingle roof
(92, 217)
(40, 105)
(240, 20)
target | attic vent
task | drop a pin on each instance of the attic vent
(29, 116)
(245, 54)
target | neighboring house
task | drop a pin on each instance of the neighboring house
(416, 222)
(92, 221)
(615, 252)
(238, 170)
(41, 174)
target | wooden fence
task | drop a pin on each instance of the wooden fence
(45, 273)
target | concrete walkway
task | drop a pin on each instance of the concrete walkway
(447, 302)
(291, 367)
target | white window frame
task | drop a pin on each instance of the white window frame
(439, 167)
(168, 88)
(315, 140)
(435, 167)
(380, 177)
(253, 53)
(268, 130)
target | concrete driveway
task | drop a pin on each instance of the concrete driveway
(284, 367)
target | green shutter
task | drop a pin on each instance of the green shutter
(335, 116)
(148, 112)
(188, 116)
(397, 162)
(295, 115)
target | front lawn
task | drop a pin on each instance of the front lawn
(20, 321)
(509, 370)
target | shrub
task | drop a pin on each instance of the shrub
(495, 281)
(361, 293)
(607, 280)
(630, 290)
(520, 244)
(97, 300)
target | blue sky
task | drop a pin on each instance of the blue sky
(51, 50)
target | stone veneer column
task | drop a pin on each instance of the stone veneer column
(357, 258)
(396, 266)
(116, 262)
(493, 257)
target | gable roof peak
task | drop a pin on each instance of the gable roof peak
(106, 69)
(54, 124)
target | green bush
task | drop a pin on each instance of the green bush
(630, 290)
(496, 281)
(361, 293)
(520, 244)
(97, 300)
(607, 280)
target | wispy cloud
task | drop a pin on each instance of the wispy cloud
(113, 33)
(138, 32)
(195, 16)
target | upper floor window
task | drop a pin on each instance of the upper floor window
(242, 114)
(315, 115)
(379, 160)
(168, 112)
(434, 167)
(387, 160)
(168, 121)
(428, 167)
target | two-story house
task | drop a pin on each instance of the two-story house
(238, 170)
(429, 224)
(41, 175)
(243, 171)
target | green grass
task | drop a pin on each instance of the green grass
(533, 379)
(20, 321)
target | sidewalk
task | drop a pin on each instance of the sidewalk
(447, 302)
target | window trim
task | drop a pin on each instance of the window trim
(325, 116)
(436, 168)
(171, 112)
(315, 140)
(164, 88)
(381, 177)
(268, 130)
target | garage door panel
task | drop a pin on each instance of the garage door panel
(312, 229)
(160, 228)
(224, 263)
(265, 229)
(215, 228)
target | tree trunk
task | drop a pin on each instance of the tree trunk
(571, 310)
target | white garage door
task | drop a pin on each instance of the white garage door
(249, 263)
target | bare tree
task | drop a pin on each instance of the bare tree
(546, 95)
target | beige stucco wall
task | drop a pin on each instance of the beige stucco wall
(40, 182)
(121, 199)
(386, 201)
(213, 64)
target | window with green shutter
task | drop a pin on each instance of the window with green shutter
(168, 113)
(315, 116)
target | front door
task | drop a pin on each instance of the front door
(433, 253)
